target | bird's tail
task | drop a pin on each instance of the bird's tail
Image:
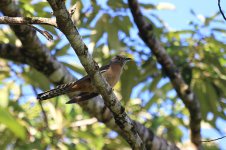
(59, 90)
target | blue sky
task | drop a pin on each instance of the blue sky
(179, 18)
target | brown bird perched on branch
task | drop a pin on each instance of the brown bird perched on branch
(110, 72)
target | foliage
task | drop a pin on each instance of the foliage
(145, 91)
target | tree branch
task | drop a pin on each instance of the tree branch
(11, 52)
(66, 25)
(211, 140)
(46, 34)
(28, 20)
(146, 32)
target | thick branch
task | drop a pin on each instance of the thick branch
(11, 52)
(66, 25)
(27, 20)
(184, 92)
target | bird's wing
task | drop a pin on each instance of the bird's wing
(82, 97)
(104, 68)
(84, 84)
(85, 95)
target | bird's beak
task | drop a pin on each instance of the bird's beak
(128, 59)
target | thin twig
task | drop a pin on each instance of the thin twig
(28, 20)
(72, 9)
(214, 139)
(43, 111)
(222, 13)
(44, 33)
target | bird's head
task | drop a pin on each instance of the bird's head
(120, 59)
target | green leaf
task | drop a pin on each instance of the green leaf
(211, 97)
(123, 23)
(75, 68)
(39, 9)
(154, 83)
(221, 30)
(28, 10)
(4, 96)
(129, 79)
(166, 87)
(4, 74)
(113, 40)
(148, 6)
(63, 51)
(174, 134)
(199, 89)
(208, 20)
(92, 16)
(99, 29)
(151, 101)
(116, 4)
(220, 87)
(7, 119)
(36, 79)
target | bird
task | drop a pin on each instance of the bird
(111, 72)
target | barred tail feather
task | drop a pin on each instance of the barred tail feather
(59, 90)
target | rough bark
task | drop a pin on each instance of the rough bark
(146, 32)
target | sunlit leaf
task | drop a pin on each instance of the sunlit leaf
(7, 119)
(129, 74)
(63, 51)
(116, 4)
(166, 6)
(76, 68)
(200, 91)
(113, 40)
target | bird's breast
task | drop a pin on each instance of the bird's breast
(112, 77)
